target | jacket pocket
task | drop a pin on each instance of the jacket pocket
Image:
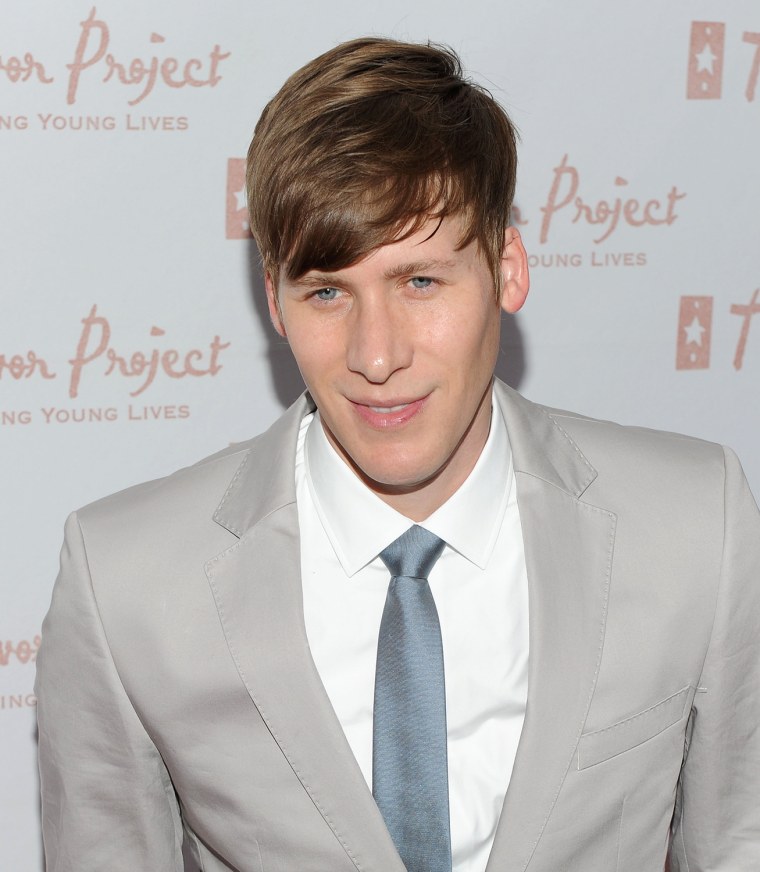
(603, 744)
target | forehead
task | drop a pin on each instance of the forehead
(434, 246)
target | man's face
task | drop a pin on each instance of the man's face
(398, 352)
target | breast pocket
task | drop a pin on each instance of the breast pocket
(601, 745)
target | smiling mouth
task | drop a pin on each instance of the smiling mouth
(386, 410)
(392, 416)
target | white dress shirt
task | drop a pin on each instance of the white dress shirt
(480, 589)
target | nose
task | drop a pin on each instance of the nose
(379, 340)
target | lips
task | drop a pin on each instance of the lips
(391, 413)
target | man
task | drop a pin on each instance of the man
(421, 621)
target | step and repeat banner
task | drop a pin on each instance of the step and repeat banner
(134, 337)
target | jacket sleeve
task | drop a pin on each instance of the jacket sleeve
(107, 800)
(717, 825)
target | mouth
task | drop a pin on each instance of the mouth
(385, 410)
(391, 414)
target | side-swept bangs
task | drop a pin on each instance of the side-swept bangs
(368, 142)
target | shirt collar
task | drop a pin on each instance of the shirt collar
(470, 520)
(360, 525)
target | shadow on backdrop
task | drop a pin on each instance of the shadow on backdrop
(511, 364)
(286, 378)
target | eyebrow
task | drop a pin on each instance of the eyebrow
(419, 268)
(414, 268)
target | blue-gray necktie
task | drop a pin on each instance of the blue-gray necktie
(409, 766)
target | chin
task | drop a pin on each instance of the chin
(397, 477)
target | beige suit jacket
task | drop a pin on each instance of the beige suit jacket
(178, 698)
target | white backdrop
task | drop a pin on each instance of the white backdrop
(133, 338)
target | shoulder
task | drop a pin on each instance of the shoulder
(165, 523)
(604, 441)
(202, 486)
(671, 480)
(614, 464)
(183, 506)
(202, 483)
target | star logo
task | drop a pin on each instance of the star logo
(705, 66)
(241, 197)
(237, 226)
(705, 60)
(694, 332)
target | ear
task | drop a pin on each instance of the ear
(274, 306)
(514, 272)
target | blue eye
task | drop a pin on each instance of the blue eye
(421, 282)
(326, 294)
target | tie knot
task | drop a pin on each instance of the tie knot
(413, 554)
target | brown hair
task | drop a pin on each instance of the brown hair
(367, 142)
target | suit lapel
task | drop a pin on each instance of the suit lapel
(257, 589)
(568, 551)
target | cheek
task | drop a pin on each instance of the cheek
(317, 357)
(470, 345)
